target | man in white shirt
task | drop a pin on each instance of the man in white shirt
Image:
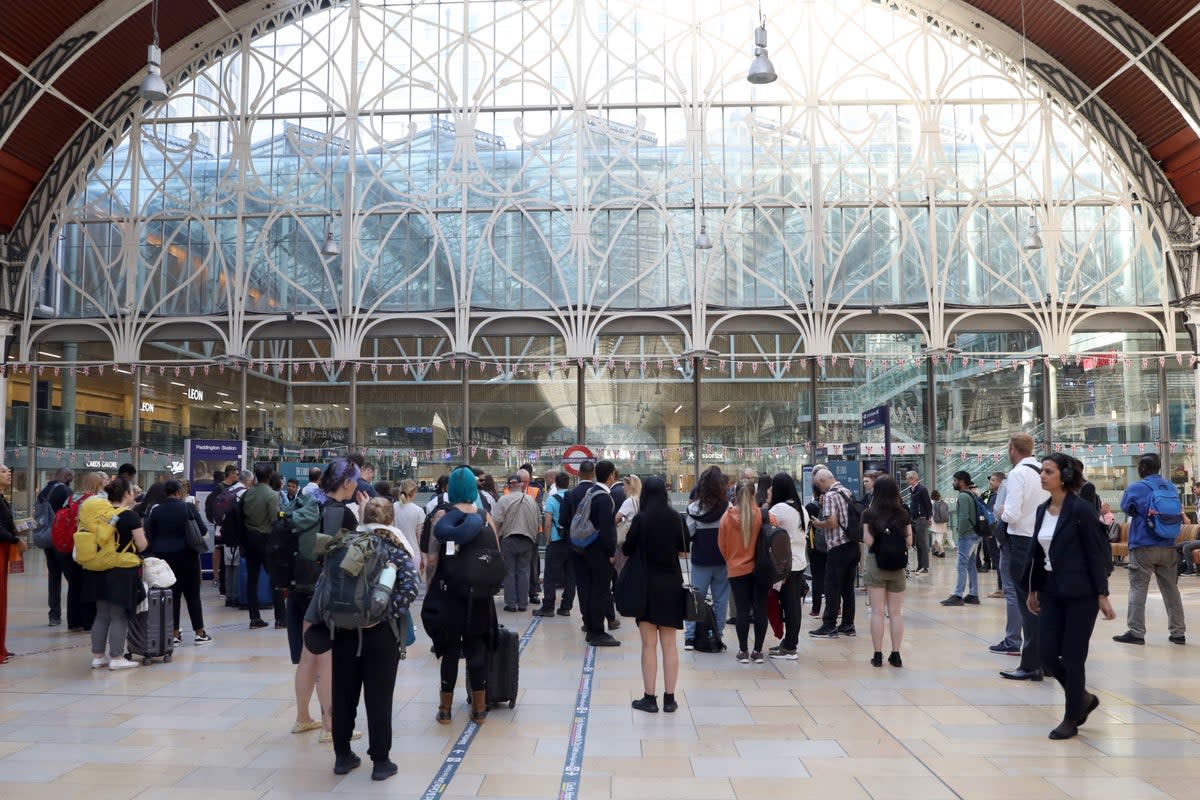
(1023, 494)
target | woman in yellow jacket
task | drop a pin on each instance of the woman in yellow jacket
(737, 538)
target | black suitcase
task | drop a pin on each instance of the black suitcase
(503, 669)
(150, 631)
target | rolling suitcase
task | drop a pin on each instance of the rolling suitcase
(150, 631)
(503, 670)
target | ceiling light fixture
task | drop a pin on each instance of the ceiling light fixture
(153, 87)
(761, 69)
(1033, 239)
(703, 240)
(330, 248)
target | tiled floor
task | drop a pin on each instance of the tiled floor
(215, 722)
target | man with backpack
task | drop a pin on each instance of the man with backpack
(591, 517)
(53, 497)
(260, 510)
(842, 522)
(966, 522)
(1155, 516)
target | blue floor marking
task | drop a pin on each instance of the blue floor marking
(441, 781)
(573, 765)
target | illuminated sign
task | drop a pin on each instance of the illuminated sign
(195, 394)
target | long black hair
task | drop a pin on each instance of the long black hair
(710, 489)
(783, 490)
(886, 506)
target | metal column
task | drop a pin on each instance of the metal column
(135, 424)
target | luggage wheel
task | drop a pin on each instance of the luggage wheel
(167, 658)
(147, 661)
(512, 703)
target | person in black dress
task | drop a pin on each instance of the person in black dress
(657, 533)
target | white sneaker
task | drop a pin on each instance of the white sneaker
(100, 663)
(122, 663)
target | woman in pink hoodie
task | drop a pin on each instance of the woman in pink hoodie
(737, 539)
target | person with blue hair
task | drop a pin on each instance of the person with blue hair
(459, 624)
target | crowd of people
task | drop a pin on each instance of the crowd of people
(1042, 530)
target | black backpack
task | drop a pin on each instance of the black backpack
(773, 553)
(476, 569)
(854, 512)
(890, 549)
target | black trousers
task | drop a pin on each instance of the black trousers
(1066, 625)
(80, 613)
(593, 579)
(535, 573)
(54, 579)
(256, 560)
(991, 553)
(1021, 548)
(816, 563)
(920, 528)
(475, 649)
(841, 566)
(370, 673)
(186, 566)
(750, 598)
(559, 575)
(791, 601)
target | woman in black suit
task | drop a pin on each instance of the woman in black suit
(1068, 584)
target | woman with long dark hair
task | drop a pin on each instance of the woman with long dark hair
(787, 508)
(1068, 584)
(886, 516)
(658, 534)
(708, 565)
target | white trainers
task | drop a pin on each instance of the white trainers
(122, 663)
(100, 662)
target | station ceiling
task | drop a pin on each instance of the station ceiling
(64, 64)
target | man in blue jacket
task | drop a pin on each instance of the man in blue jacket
(1152, 550)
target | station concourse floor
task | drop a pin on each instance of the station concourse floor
(215, 722)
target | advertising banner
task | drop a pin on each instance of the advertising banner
(205, 456)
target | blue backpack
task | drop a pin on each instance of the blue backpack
(985, 520)
(1164, 513)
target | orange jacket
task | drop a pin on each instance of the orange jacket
(739, 559)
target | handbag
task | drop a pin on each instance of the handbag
(196, 540)
(629, 594)
(693, 600)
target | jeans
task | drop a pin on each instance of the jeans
(710, 579)
(1161, 563)
(920, 526)
(991, 546)
(751, 599)
(1012, 626)
(1066, 627)
(791, 599)
(967, 571)
(1188, 547)
(559, 575)
(366, 666)
(54, 576)
(111, 627)
(517, 552)
(1022, 550)
(841, 566)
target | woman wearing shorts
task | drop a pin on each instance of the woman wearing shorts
(885, 517)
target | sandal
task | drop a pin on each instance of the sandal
(305, 727)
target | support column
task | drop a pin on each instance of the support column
(931, 418)
(1193, 322)
(69, 391)
(135, 423)
(813, 417)
(352, 436)
(242, 418)
(580, 404)
(1048, 402)
(31, 459)
(696, 418)
(466, 411)
(7, 329)
(289, 419)
(1164, 422)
